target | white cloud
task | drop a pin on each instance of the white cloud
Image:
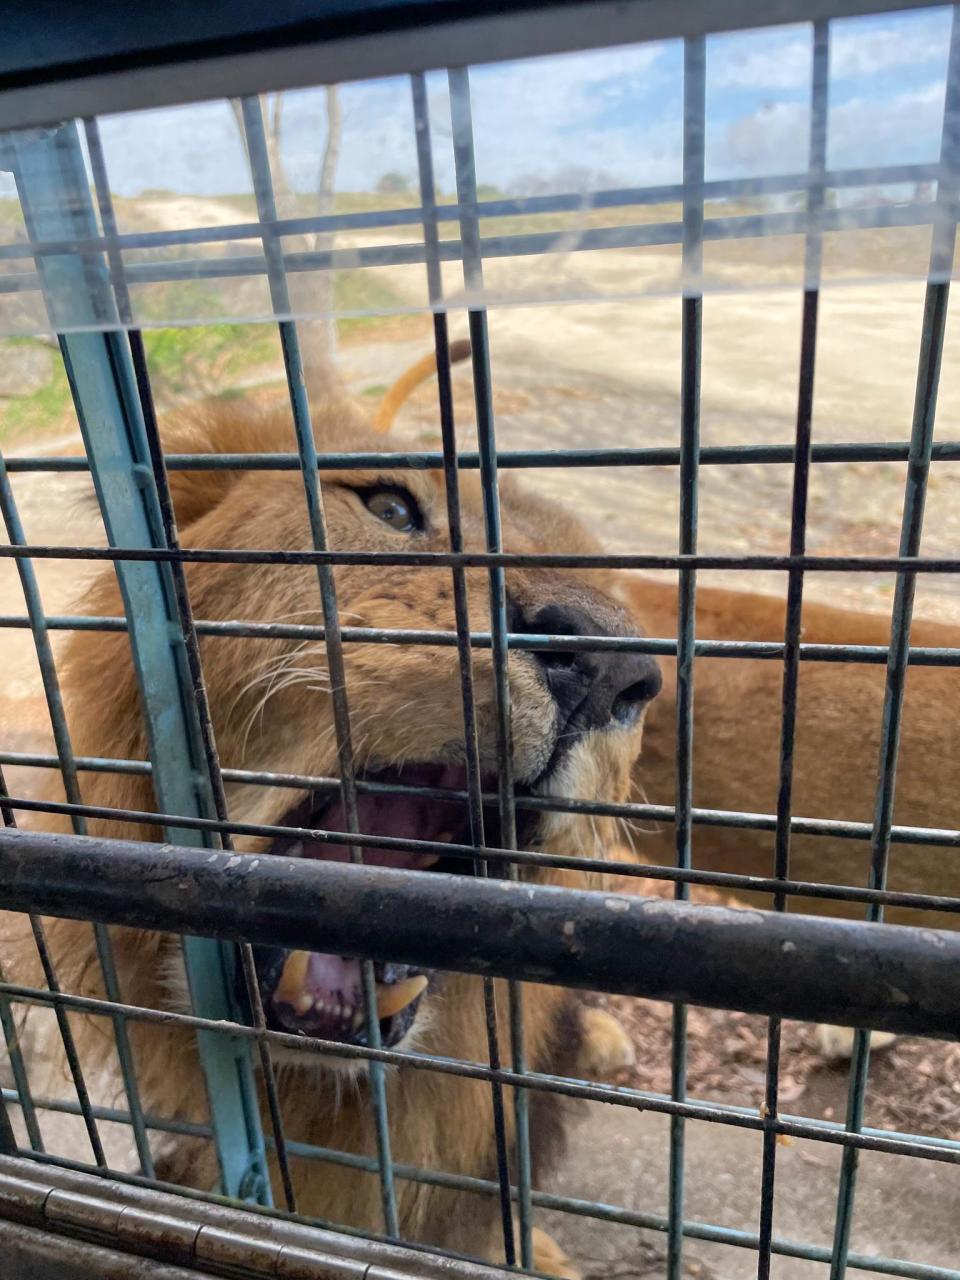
(766, 60)
(550, 93)
(531, 118)
(755, 60)
(544, 115)
(773, 139)
(378, 134)
(613, 117)
(857, 50)
(903, 128)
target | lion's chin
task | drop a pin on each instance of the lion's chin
(322, 995)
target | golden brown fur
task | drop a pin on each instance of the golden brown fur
(405, 704)
(737, 706)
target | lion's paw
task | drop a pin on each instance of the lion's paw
(836, 1043)
(606, 1048)
(549, 1258)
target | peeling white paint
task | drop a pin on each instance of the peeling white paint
(616, 904)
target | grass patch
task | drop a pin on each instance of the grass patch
(190, 362)
(201, 359)
(361, 291)
(304, 204)
(38, 412)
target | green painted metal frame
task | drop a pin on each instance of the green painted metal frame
(55, 197)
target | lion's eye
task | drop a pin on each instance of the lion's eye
(394, 507)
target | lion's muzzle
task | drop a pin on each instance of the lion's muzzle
(594, 692)
(594, 689)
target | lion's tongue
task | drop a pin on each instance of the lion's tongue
(401, 816)
(310, 980)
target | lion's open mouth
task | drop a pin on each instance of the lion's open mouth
(311, 993)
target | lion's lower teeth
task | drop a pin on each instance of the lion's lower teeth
(397, 995)
(293, 990)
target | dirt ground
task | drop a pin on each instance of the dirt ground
(605, 372)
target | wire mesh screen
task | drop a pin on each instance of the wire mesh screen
(283, 631)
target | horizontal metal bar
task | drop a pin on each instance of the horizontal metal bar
(533, 858)
(875, 655)
(641, 235)
(216, 1241)
(484, 559)
(571, 202)
(947, 1152)
(544, 1200)
(124, 1187)
(188, 1197)
(32, 1253)
(525, 459)
(113, 1115)
(900, 979)
(599, 1211)
(834, 828)
(619, 1214)
(189, 1129)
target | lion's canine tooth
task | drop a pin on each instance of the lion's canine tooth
(391, 999)
(291, 988)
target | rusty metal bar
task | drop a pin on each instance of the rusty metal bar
(811, 968)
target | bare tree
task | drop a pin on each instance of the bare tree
(323, 240)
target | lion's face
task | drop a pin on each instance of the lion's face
(575, 718)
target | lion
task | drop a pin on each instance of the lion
(576, 723)
(736, 738)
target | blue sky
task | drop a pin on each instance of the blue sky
(609, 117)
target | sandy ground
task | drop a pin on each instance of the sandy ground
(606, 372)
(621, 1157)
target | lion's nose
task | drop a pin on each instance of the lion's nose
(601, 687)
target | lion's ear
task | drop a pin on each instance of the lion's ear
(219, 426)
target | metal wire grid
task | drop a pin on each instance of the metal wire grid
(210, 821)
(741, 226)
